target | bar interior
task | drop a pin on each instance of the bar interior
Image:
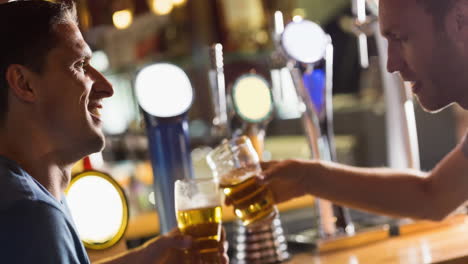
(290, 79)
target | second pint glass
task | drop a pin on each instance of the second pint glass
(198, 209)
(235, 164)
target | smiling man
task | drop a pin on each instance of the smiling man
(428, 45)
(50, 98)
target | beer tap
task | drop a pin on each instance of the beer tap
(165, 94)
(362, 21)
(252, 102)
(310, 54)
(400, 120)
(287, 103)
(218, 91)
(402, 140)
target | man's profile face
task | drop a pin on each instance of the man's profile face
(422, 52)
(70, 95)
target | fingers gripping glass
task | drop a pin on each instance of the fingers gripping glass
(198, 209)
(235, 164)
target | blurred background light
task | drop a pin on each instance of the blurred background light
(100, 61)
(164, 90)
(161, 7)
(98, 209)
(179, 2)
(122, 19)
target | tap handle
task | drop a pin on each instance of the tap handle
(218, 87)
(359, 11)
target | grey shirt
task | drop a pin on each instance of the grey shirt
(34, 226)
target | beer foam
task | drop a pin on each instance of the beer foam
(198, 201)
(238, 175)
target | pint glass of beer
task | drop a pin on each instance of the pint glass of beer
(235, 164)
(198, 209)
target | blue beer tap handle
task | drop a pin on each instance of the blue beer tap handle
(170, 156)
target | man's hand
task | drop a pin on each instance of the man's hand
(286, 179)
(164, 248)
(159, 250)
(177, 248)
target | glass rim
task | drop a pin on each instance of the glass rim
(230, 146)
(189, 188)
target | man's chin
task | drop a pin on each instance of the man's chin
(94, 144)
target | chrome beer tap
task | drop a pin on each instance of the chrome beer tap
(402, 140)
(307, 47)
(253, 104)
(218, 91)
(362, 22)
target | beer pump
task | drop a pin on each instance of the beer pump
(165, 94)
(402, 140)
(218, 91)
(250, 99)
(361, 21)
(310, 60)
(252, 102)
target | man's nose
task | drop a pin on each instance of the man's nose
(101, 85)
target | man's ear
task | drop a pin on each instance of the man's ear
(19, 80)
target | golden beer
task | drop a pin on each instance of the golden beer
(204, 225)
(198, 213)
(252, 201)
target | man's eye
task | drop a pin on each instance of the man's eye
(82, 65)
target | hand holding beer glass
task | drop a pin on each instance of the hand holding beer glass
(198, 209)
(235, 164)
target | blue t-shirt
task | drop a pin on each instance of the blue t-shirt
(34, 226)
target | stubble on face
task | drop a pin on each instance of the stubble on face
(446, 73)
(66, 97)
(447, 66)
(429, 54)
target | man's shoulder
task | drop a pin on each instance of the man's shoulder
(17, 185)
(33, 217)
(41, 228)
(20, 211)
(31, 220)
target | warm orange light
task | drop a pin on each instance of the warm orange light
(122, 19)
(161, 7)
(179, 2)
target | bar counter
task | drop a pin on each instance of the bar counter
(419, 243)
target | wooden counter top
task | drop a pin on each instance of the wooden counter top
(443, 243)
(419, 243)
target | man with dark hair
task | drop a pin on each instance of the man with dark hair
(50, 101)
(428, 45)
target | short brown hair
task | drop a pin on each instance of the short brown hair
(27, 32)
